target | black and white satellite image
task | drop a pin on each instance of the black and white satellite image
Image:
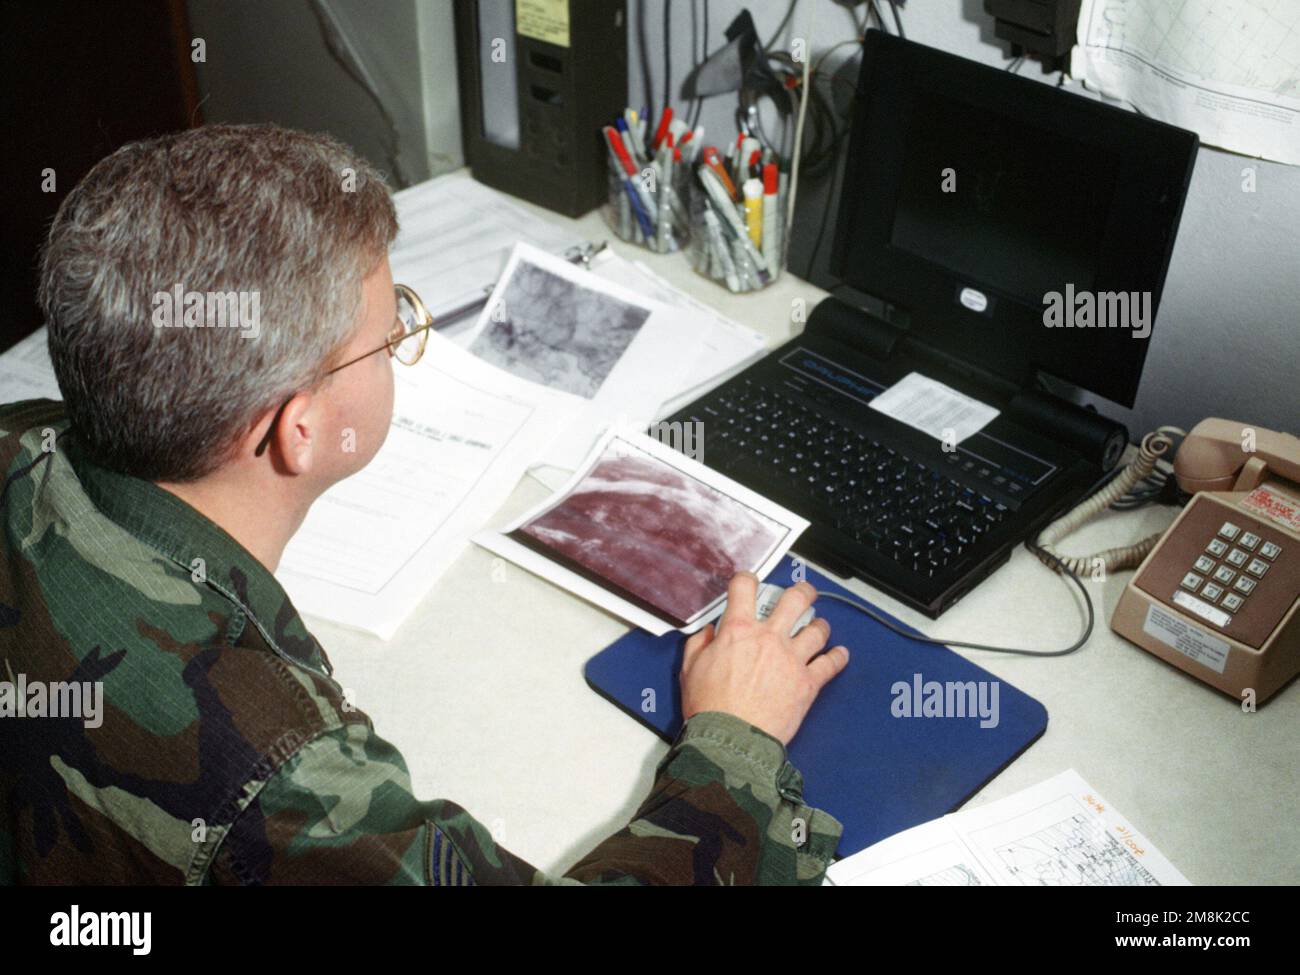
(552, 331)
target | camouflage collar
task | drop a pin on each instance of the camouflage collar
(204, 550)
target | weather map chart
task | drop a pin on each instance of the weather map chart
(1073, 853)
(1226, 69)
(1059, 833)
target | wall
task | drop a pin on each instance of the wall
(269, 61)
(1227, 339)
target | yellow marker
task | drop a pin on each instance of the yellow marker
(753, 189)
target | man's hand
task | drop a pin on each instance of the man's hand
(756, 670)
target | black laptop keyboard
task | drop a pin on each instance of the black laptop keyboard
(903, 507)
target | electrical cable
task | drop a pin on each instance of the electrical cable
(1154, 446)
(820, 146)
(643, 51)
(837, 157)
(1142, 482)
(826, 211)
(893, 6)
(776, 34)
(880, 21)
(668, 47)
(1019, 651)
(798, 136)
(343, 51)
(700, 58)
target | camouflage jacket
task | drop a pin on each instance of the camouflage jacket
(223, 751)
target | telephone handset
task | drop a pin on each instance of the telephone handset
(1218, 594)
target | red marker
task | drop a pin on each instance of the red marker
(620, 151)
(662, 130)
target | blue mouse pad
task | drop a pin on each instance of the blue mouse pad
(877, 773)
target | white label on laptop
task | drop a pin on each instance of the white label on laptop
(933, 408)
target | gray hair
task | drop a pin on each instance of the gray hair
(293, 218)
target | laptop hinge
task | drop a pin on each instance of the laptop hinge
(991, 384)
(1098, 439)
(874, 326)
(859, 325)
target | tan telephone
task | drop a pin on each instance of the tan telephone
(1218, 594)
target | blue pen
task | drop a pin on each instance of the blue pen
(642, 218)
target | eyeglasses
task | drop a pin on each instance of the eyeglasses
(409, 335)
(406, 341)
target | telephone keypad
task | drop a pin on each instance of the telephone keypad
(1234, 560)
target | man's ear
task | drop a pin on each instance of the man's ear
(290, 434)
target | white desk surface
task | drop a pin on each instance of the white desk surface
(482, 690)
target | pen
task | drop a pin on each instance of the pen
(714, 163)
(647, 202)
(664, 121)
(665, 161)
(719, 247)
(753, 190)
(445, 318)
(631, 185)
(634, 132)
(771, 217)
(677, 130)
(731, 219)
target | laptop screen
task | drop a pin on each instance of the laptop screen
(977, 223)
(978, 202)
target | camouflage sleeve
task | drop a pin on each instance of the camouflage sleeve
(726, 808)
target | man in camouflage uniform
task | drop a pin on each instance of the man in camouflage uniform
(143, 519)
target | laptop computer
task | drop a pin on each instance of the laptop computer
(984, 220)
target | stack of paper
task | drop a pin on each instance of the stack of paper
(26, 371)
(462, 434)
(456, 235)
(726, 347)
(613, 354)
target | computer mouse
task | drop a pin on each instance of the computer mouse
(769, 594)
